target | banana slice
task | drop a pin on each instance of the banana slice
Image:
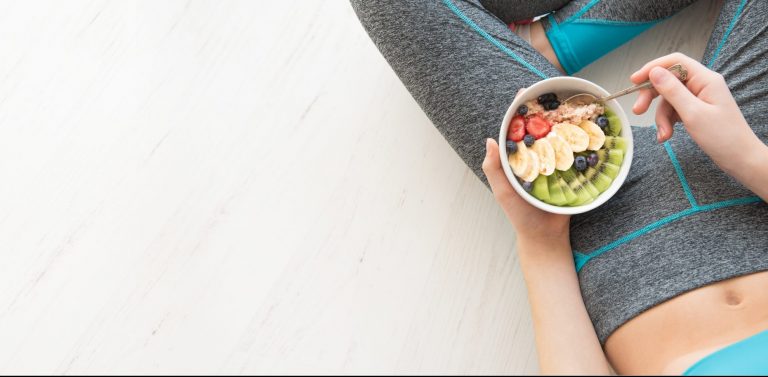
(546, 153)
(577, 138)
(596, 135)
(563, 152)
(520, 161)
(531, 176)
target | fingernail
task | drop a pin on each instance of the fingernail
(488, 142)
(658, 75)
(658, 136)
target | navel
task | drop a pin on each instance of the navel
(733, 298)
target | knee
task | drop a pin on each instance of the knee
(376, 14)
(363, 9)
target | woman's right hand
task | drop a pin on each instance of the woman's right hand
(706, 108)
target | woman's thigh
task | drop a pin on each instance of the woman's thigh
(518, 10)
(459, 61)
(737, 49)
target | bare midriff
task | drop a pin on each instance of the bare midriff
(672, 336)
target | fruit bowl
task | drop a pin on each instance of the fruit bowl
(574, 187)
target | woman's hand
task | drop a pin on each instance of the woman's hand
(566, 342)
(707, 109)
(532, 224)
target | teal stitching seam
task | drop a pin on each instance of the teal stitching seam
(581, 11)
(491, 39)
(680, 175)
(727, 33)
(581, 259)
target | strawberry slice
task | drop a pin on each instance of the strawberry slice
(538, 126)
(516, 128)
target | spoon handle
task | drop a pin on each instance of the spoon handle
(680, 72)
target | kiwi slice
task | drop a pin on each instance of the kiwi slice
(615, 142)
(583, 195)
(593, 191)
(556, 195)
(598, 179)
(614, 124)
(568, 175)
(608, 169)
(570, 195)
(540, 188)
(613, 156)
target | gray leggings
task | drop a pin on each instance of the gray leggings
(678, 222)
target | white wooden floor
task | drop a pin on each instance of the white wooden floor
(246, 187)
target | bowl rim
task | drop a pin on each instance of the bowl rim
(626, 132)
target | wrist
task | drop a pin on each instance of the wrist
(538, 232)
(754, 159)
(739, 154)
(751, 159)
(543, 246)
(539, 256)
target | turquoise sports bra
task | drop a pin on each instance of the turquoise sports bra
(746, 357)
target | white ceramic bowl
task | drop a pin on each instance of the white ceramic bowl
(564, 87)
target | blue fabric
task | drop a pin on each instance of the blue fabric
(747, 357)
(574, 40)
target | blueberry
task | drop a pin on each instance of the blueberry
(511, 147)
(592, 159)
(551, 105)
(546, 97)
(522, 110)
(529, 140)
(580, 163)
(527, 186)
(602, 121)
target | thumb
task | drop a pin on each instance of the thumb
(494, 172)
(673, 91)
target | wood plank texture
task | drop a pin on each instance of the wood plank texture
(246, 187)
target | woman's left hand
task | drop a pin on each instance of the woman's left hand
(565, 338)
(531, 223)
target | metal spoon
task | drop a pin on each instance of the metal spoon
(586, 98)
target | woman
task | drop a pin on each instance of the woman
(670, 275)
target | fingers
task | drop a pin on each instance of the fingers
(674, 92)
(692, 66)
(698, 75)
(500, 186)
(643, 101)
(666, 117)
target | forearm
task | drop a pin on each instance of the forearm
(565, 338)
(752, 168)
